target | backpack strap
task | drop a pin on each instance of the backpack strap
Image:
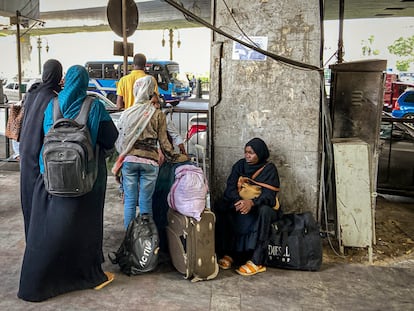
(83, 115)
(57, 114)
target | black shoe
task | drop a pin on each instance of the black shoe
(145, 217)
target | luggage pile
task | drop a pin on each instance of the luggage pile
(191, 225)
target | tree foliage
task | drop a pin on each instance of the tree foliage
(404, 48)
(367, 47)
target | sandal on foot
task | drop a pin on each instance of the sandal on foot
(250, 269)
(110, 277)
(225, 262)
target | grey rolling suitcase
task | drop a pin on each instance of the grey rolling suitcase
(191, 245)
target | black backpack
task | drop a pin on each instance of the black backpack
(139, 250)
(70, 161)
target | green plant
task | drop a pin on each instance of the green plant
(404, 48)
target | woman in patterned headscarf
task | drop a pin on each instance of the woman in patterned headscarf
(64, 239)
(243, 225)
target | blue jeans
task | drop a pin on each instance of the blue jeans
(138, 177)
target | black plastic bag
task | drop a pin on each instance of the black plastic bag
(295, 243)
(139, 250)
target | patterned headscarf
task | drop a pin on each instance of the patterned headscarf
(143, 89)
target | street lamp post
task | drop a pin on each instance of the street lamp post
(39, 48)
(171, 40)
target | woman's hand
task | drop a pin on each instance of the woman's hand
(244, 206)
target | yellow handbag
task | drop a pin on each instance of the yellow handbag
(250, 189)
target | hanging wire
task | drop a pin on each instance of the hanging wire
(238, 26)
(223, 33)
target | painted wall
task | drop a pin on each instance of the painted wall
(268, 99)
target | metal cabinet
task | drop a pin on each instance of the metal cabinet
(353, 193)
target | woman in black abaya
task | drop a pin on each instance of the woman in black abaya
(64, 239)
(243, 226)
(31, 136)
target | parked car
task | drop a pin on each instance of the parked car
(3, 98)
(109, 106)
(395, 161)
(11, 89)
(404, 107)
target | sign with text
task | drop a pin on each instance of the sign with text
(240, 52)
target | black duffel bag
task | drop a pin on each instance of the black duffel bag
(139, 250)
(295, 243)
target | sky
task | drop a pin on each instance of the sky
(194, 53)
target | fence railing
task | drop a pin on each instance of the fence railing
(192, 124)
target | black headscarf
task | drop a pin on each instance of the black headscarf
(52, 74)
(260, 148)
(269, 175)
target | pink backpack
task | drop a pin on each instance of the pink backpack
(188, 192)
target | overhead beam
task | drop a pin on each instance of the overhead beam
(160, 15)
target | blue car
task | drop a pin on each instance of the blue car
(404, 107)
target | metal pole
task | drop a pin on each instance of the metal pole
(39, 48)
(124, 35)
(19, 54)
(341, 32)
(171, 34)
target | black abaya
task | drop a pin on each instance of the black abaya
(31, 136)
(63, 235)
(64, 245)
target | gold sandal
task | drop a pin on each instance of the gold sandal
(110, 277)
(225, 262)
(249, 268)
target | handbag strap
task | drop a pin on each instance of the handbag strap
(260, 183)
(264, 185)
(258, 171)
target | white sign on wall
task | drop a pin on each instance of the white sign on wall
(240, 52)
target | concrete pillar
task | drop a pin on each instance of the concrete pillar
(266, 98)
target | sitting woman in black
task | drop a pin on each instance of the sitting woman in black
(242, 226)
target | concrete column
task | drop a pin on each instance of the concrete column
(266, 98)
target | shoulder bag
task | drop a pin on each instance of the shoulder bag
(250, 189)
(15, 121)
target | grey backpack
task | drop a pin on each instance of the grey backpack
(70, 161)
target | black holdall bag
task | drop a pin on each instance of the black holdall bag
(139, 250)
(295, 243)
